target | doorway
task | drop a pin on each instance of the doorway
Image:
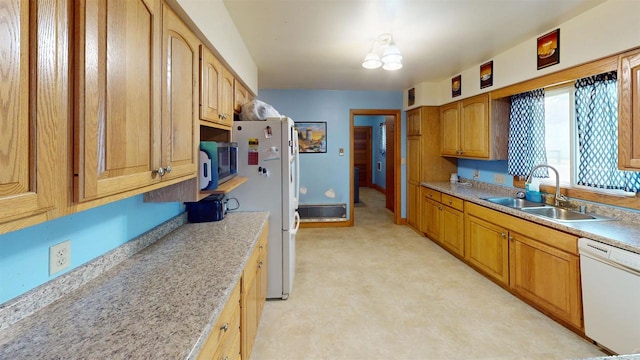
(392, 186)
(362, 154)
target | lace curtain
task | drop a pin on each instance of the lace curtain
(526, 134)
(596, 106)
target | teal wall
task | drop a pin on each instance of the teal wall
(321, 172)
(24, 254)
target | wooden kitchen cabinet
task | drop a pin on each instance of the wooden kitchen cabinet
(135, 118)
(224, 340)
(254, 292)
(424, 162)
(216, 91)
(444, 220)
(476, 127)
(31, 119)
(629, 110)
(486, 244)
(547, 277)
(241, 96)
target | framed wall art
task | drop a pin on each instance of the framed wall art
(456, 86)
(486, 74)
(312, 136)
(548, 51)
(411, 97)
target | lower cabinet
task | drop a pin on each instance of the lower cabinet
(254, 291)
(547, 277)
(443, 220)
(224, 340)
(539, 264)
(233, 335)
(413, 205)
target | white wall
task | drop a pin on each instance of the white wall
(214, 21)
(607, 29)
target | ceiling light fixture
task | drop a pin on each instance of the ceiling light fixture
(391, 57)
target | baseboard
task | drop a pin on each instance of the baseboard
(326, 224)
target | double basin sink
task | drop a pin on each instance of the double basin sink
(547, 211)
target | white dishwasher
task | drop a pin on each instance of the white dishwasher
(610, 295)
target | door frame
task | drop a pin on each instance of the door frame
(397, 206)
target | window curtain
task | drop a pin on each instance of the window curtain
(596, 103)
(526, 134)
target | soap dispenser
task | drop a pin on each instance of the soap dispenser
(532, 190)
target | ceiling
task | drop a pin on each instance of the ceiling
(320, 44)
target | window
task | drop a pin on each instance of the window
(579, 123)
(383, 138)
(558, 121)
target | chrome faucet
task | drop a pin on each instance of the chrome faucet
(558, 197)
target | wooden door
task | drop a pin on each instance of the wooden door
(390, 180)
(28, 119)
(450, 117)
(474, 127)
(362, 153)
(414, 122)
(210, 85)
(180, 91)
(629, 111)
(548, 277)
(452, 230)
(117, 102)
(487, 248)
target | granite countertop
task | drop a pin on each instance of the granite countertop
(160, 303)
(623, 232)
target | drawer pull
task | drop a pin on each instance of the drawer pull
(224, 327)
(450, 202)
(503, 234)
(260, 264)
(261, 247)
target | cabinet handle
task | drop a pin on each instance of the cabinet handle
(503, 234)
(168, 169)
(450, 202)
(261, 247)
(224, 327)
(160, 171)
(260, 264)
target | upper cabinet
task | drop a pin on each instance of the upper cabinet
(180, 128)
(135, 98)
(241, 96)
(629, 110)
(414, 122)
(216, 90)
(31, 117)
(476, 127)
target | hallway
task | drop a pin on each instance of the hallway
(381, 291)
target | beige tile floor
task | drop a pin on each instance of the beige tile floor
(380, 291)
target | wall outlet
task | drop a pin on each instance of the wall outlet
(499, 178)
(59, 257)
(476, 173)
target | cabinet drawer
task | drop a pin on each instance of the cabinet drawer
(432, 194)
(226, 328)
(453, 202)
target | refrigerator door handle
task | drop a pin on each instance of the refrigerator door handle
(296, 219)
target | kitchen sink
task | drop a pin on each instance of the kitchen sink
(563, 215)
(513, 202)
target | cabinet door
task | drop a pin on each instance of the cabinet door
(28, 118)
(487, 248)
(414, 156)
(249, 325)
(226, 100)
(413, 205)
(241, 96)
(550, 278)
(431, 215)
(210, 85)
(118, 103)
(450, 117)
(414, 122)
(180, 93)
(474, 127)
(629, 111)
(452, 230)
(261, 277)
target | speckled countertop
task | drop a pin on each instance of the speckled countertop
(624, 232)
(160, 303)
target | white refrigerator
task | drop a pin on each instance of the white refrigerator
(268, 157)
